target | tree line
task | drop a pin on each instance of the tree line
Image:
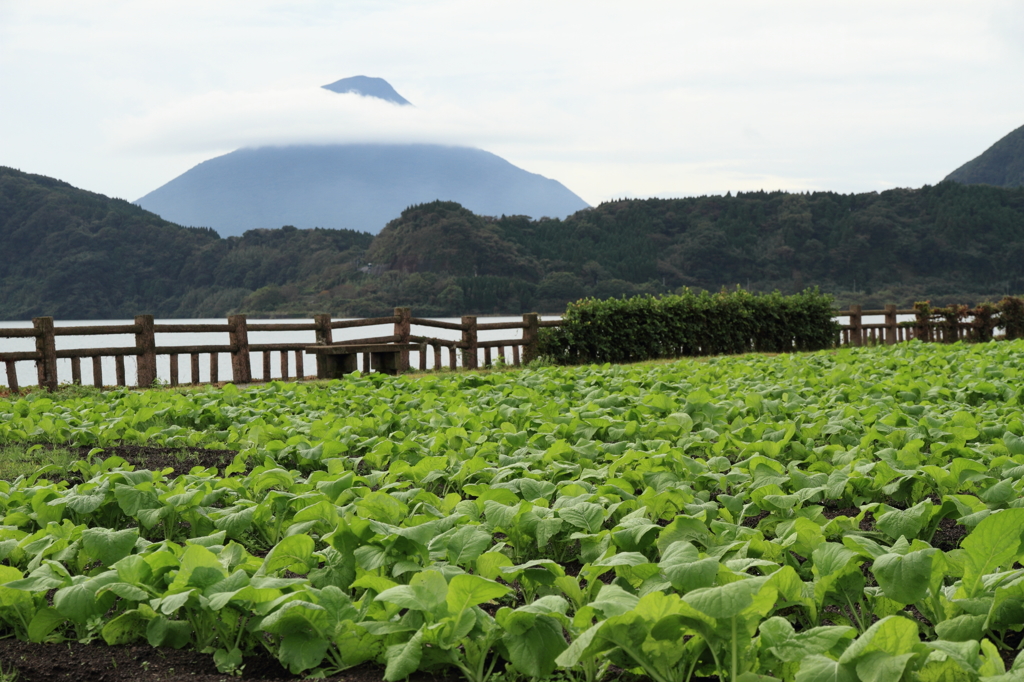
(79, 255)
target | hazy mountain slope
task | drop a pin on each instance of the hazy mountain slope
(356, 186)
(1001, 165)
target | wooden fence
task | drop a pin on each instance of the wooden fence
(463, 352)
(926, 326)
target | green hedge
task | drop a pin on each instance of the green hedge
(729, 322)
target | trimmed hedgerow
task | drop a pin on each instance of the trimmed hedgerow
(728, 322)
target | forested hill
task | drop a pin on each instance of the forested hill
(74, 254)
(1001, 165)
(78, 255)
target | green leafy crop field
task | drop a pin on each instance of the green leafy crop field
(843, 515)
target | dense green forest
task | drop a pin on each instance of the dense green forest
(75, 254)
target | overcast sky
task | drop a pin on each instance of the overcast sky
(613, 99)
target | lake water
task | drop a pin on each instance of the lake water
(27, 369)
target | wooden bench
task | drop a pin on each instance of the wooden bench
(336, 360)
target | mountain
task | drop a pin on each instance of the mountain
(1001, 165)
(353, 186)
(367, 87)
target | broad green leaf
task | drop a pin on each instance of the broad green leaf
(134, 570)
(125, 628)
(301, 651)
(380, 506)
(993, 543)
(587, 517)
(293, 553)
(489, 564)
(829, 558)
(173, 633)
(724, 601)
(43, 623)
(466, 544)
(907, 523)
(78, 602)
(133, 499)
(682, 529)
(822, 669)
(235, 522)
(879, 666)
(683, 568)
(533, 650)
(1013, 443)
(904, 578)
(229, 660)
(579, 646)
(465, 591)
(962, 628)
(403, 659)
(893, 635)
(426, 593)
(107, 545)
(612, 600)
(779, 637)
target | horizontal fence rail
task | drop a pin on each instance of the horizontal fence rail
(464, 352)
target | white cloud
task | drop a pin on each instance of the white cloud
(662, 97)
(216, 121)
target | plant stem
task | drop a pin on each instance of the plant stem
(735, 656)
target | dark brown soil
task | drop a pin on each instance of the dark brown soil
(948, 535)
(181, 460)
(102, 663)
(849, 512)
(752, 521)
(1013, 640)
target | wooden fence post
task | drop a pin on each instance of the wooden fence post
(922, 326)
(403, 329)
(856, 332)
(12, 377)
(891, 326)
(323, 338)
(46, 346)
(97, 371)
(241, 370)
(531, 338)
(469, 347)
(145, 345)
(119, 369)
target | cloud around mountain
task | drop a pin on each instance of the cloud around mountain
(222, 121)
